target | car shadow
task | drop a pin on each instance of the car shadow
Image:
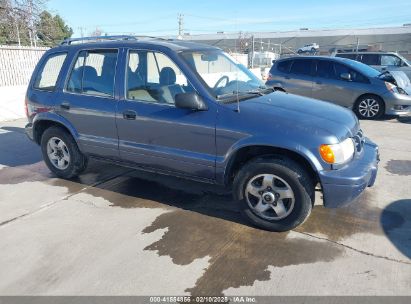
(399, 235)
(16, 148)
(395, 118)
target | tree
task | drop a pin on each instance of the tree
(17, 21)
(52, 29)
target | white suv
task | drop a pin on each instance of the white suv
(311, 48)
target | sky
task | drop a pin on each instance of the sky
(159, 17)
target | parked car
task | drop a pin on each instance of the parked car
(189, 110)
(345, 82)
(309, 48)
(381, 61)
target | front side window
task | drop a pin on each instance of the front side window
(47, 76)
(390, 60)
(223, 75)
(343, 69)
(154, 77)
(93, 73)
(301, 67)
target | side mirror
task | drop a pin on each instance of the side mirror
(190, 101)
(346, 76)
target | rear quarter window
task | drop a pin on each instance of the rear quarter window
(284, 66)
(48, 73)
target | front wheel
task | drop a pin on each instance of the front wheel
(369, 107)
(61, 154)
(274, 193)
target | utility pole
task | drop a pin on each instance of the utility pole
(81, 31)
(358, 43)
(180, 26)
(252, 51)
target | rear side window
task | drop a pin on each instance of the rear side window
(301, 66)
(46, 78)
(348, 56)
(284, 66)
(93, 73)
(370, 59)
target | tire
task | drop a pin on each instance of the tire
(288, 175)
(299, 51)
(313, 50)
(369, 107)
(58, 143)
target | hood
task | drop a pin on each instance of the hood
(400, 79)
(308, 114)
(397, 78)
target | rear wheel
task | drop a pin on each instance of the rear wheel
(369, 107)
(275, 194)
(61, 153)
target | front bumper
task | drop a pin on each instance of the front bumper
(342, 186)
(28, 129)
(397, 104)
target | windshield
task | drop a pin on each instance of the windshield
(223, 75)
(363, 68)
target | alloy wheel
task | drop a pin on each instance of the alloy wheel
(58, 153)
(269, 196)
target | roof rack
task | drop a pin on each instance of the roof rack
(103, 38)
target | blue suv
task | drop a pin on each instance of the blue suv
(190, 110)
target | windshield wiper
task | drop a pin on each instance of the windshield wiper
(383, 73)
(260, 91)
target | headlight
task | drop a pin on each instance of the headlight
(390, 87)
(394, 89)
(338, 153)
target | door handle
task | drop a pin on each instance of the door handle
(318, 82)
(287, 77)
(129, 115)
(65, 105)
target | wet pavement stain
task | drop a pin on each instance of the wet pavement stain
(26, 173)
(399, 167)
(208, 224)
(361, 216)
(239, 254)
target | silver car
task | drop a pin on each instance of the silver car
(345, 82)
(382, 61)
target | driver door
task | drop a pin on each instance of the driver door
(154, 133)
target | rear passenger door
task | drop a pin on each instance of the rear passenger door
(300, 80)
(89, 102)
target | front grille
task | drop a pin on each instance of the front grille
(359, 141)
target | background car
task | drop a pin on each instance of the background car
(380, 60)
(342, 81)
(308, 48)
